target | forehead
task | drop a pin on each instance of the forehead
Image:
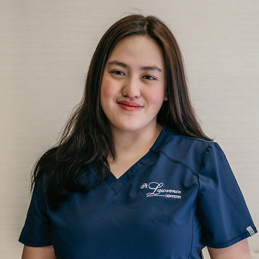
(138, 50)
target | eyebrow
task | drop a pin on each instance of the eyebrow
(121, 64)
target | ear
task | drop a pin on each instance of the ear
(166, 97)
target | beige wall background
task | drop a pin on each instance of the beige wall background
(45, 49)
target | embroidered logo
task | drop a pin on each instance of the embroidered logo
(158, 191)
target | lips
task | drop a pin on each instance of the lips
(129, 105)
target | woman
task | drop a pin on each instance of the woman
(134, 176)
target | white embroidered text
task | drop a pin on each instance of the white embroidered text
(158, 191)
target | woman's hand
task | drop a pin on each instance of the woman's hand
(46, 252)
(239, 250)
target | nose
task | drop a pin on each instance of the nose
(131, 88)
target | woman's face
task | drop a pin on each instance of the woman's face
(133, 86)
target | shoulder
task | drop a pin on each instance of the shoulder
(188, 151)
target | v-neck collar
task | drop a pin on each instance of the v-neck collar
(117, 183)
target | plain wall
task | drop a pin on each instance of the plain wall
(46, 47)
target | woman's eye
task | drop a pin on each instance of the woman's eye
(149, 77)
(117, 72)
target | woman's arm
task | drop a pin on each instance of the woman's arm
(46, 252)
(239, 250)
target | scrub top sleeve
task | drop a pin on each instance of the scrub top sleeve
(221, 207)
(37, 228)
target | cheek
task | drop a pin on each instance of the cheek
(107, 89)
(155, 97)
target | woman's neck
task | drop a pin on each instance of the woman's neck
(131, 147)
(133, 144)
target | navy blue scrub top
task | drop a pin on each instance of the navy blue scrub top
(178, 198)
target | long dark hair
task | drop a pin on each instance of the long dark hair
(87, 137)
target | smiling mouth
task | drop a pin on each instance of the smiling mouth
(129, 106)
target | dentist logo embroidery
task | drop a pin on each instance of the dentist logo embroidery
(157, 190)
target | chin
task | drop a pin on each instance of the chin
(126, 127)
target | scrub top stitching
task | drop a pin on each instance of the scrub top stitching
(179, 162)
